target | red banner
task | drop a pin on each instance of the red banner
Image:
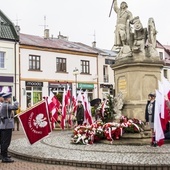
(35, 122)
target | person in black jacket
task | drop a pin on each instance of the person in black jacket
(80, 113)
(149, 115)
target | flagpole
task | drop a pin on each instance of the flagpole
(111, 8)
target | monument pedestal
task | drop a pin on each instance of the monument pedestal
(136, 78)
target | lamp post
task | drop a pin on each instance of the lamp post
(75, 73)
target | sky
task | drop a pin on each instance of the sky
(84, 21)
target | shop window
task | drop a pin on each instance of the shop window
(33, 95)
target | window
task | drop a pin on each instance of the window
(34, 62)
(165, 73)
(85, 67)
(109, 61)
(2, 59)
(105, 74)
(61, 64)
(161, 55)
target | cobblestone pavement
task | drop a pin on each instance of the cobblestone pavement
(58, 147)
(20, 164)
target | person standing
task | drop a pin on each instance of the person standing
(7, 125)
(80, 113)
(122, 26)
(149, 116)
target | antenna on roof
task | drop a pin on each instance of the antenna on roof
(94, 35)
(16, 20)
(45, 25)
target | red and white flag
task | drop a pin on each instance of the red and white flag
(64, 110)
(53, 105)
(159, 134)
(164, 89)
(35, 122)
(88, 116)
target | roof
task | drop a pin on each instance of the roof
(7, 29)
(165, 47)
(54, 43)
(104, 52)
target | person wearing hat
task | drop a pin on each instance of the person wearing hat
(149, 116)
(1, 101)
(7, 125)
(80, 113)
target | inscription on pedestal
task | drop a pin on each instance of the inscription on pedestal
(122, 85)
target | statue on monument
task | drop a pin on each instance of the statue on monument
(122, 27)
(130, 36)
(151, 41)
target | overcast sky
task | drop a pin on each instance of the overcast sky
(80, 20)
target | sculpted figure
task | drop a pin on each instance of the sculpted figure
(118, 105)
(152, 32)
(140, 36)
(122, 27)
(151, 42)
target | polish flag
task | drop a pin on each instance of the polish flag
(53, 105)
(159, 134)
(88, 116)
(64, 110)
(35, 122)
(74, 104)
(164, 89)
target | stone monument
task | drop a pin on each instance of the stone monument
(137, 66)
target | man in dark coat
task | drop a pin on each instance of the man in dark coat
(7, 125)
(80, 113)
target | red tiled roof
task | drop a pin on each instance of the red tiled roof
(54, 43)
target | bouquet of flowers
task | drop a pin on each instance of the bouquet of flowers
(112, 131)
(98, 131)
(83, 135)
(131, 125)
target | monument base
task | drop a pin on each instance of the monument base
(136, 77)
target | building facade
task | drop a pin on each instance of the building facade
(9, 73)
(164, 53)
(54, 64)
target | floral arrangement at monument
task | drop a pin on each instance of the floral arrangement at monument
(131, 125)
(89, 134)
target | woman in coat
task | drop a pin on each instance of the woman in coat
(149, 116)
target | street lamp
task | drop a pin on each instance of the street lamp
(75, 73)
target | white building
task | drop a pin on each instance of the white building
(164, 53)
(9, 73)
(106, 81)
(53, 63)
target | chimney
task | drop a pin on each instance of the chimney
(62, 37)
(46, 34)
(94, 44)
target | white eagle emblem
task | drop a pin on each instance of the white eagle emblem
(40, 121)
